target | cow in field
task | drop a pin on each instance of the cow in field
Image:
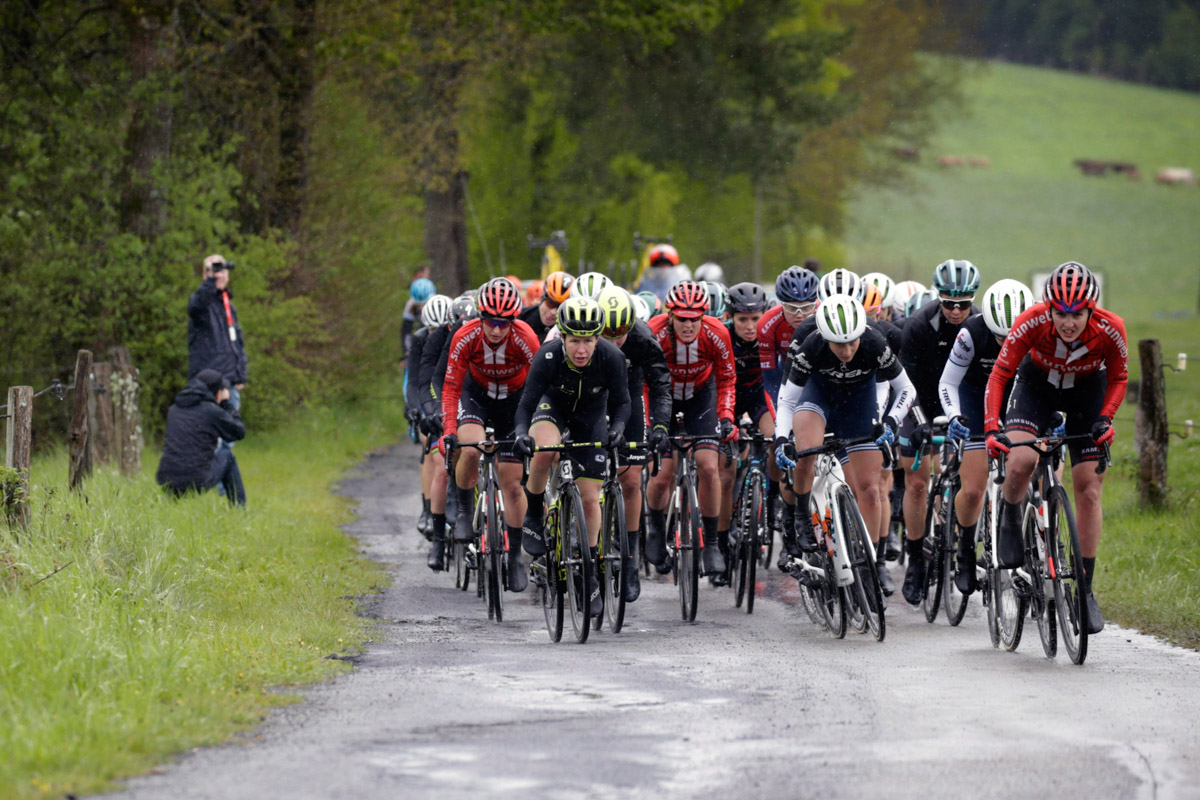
(1173, 176)
(947, 162)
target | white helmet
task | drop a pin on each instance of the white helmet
(840, 281)
(589, 284)
(903, 291)
(1003, 302)
(436, 311)
(887, 287)
(641, 309)
(841, 318)
(709, 271)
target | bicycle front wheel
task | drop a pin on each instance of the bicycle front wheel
(688, 552)
(868, 595)
(1066, 570)
(548, 577)
(757, 527)
(494, 558)
(1041, 600)
(986, 583)
(613, 552)
(577, 560)
(932, 551)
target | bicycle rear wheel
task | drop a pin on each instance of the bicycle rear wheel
(577, 560)
(953, 601)
(494, 557)
(613, 551)
(688, 553)
(758, 527)
(462, 573)
(1066, 570)
(933, 551)
(868, 595)
(986, 593)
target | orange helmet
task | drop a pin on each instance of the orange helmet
(534, 292)
(872, 298)
(664, 252)
(687, 300)
(558, 286)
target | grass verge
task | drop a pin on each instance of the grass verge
(136, 626)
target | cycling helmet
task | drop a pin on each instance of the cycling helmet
(653, 302)
(709, 271)
(641, 309)
(580, 316)
(956, 278)
(1071, 287)
(903, 291)
(886, 286)
(872, 298)
(436, 311)
(796, 285)
(839, 281)
(687, 300)
(534, 292)
(841, 318)
(499, 299)
(1003, 302)
(558, 286)
(617, 308)
(919, 300)
(421, 290)
(663, 254)
(716, 298)
(589, 284)
(464, 308)
(747, 298)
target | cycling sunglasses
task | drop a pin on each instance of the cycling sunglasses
(957, 305)
(799, 308)
(497, 323)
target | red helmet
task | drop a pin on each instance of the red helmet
(687, 300)
(664, 252)
(1071, 287)
(499, 299)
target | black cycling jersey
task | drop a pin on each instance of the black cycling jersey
(747, 363)
(805, 329)
(648, 366)
(434, 359)
(533, 318)
(874, 361)
(890, 331)
(581, 392)
(412, 369)
(928, 339)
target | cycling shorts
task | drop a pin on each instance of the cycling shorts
(848, 411)
(1033, 401)
(699, 417)
(475, 407)
(588, 426)
(904, 435)
(753, 402)
(635, 431)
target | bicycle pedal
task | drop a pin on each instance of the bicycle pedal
(1021, 588)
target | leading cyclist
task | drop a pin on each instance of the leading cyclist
(1066, 354)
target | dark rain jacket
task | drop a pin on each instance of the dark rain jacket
(194, 423)
(209, 343)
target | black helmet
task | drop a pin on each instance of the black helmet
(747, 298)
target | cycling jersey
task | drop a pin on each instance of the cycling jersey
(774, 336)
(648, 368)
(927, 341)
(433, 367)
(709, 355)
(499, 370)
(971, 361)
(1101, 346)
(532, 316)
(749, 395)
(891, 332)
(412, 370)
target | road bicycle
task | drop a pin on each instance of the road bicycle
(752, 524)
(838, 581)
(1052, 556)
(613, 545)
(562, 575)
(487, 552)
(685, 534)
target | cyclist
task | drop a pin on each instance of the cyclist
(961, 389)
(534, 292)
(887, 290)
(747, 303)
(573, 382)
(831, 383)
(488, 361)
(716, 299)
(709, 271)
(929, 336)
(876, 289)
(434, 313)
(540, 317)
(665, 271)
(649, 390)
(1065, 354)
(590, 284)
(652, 301)
(421, 290)
(700, 356)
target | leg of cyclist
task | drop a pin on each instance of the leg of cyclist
(967, 505)
(863, 472)
(916, 493)
(726, 472)
(545, 434)
(1019, 466)
(466, 475)
(1089, 518)
(589, 492)
(437, 506)
(427, 467)
(631, 488)
(658, 492)
(708, 488)
(808, 429)
(514, 511)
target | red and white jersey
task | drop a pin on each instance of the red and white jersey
(499, 369)
(1102, 345)
(692, 364)
(774, 337)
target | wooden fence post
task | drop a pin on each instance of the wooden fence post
(80, 448)
(16, 447)
(1150, 431)
(100, 414)
(127, 419)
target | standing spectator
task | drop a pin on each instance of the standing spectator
(215, 338)
(191, 461)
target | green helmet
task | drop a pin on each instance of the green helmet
(580, 316)
(617, 308)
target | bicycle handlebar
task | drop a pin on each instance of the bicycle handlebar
(1056, 443)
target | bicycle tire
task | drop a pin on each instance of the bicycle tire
(954, 602)
(933, 550)
(613, 551)
(495, 555)
(861, 551)
(987, 597)
(548, 573)
(462, 573)
(758, 526)
(1070, 600)
(577, 560)
(833, 601)
(738, 552)
(1041, 604)
(812, 600)
(688, 553)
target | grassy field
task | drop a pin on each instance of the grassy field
(1031, 210)
(173, 623)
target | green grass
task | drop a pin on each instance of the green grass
(172, 623)
(1033, 209)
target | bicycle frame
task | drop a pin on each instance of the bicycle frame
(827, 477)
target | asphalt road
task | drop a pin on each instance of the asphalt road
(445, 704)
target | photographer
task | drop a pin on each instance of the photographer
(215, 338)
(191, 461)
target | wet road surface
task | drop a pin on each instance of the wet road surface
(446, 704)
